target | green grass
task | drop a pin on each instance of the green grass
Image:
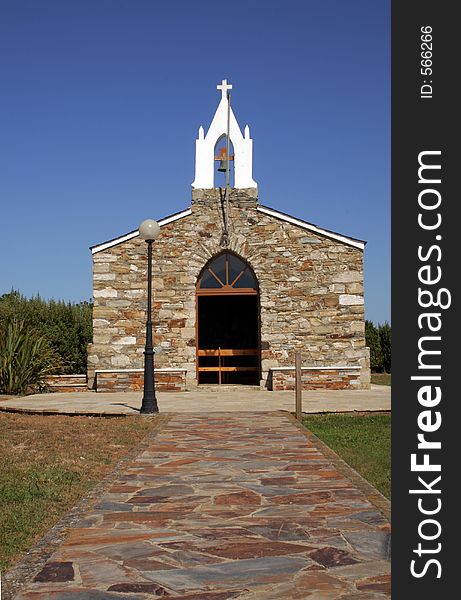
(47, 463)
(362, 441)
(34, 497)
(381, 378)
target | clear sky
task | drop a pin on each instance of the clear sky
(101, 101)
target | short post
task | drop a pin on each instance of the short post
(298, 386)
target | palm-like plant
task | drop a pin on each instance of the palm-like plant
(25, 358)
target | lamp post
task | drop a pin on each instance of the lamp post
(149, 230)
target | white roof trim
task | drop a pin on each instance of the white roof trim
(265, 210)
(335, 236)
(133, 234)
(118, 240)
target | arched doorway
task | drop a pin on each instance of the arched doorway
(227, 321)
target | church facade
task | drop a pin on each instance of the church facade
(238, 289)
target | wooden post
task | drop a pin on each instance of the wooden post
(219, 365)
(298, 385)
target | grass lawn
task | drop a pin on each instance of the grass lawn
(47, 463)
(363, 441)
(381, 378)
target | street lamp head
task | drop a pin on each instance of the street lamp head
(149, 230)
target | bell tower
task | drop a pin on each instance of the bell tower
(224, 121)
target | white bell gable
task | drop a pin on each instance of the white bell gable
(205, 147)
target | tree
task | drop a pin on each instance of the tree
(374, 343)
(67, 327)
(385, 339)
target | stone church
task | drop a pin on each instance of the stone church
(238, 288)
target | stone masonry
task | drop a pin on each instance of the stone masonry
(316, 379)
(311, 291)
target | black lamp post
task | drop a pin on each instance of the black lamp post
(149, 231)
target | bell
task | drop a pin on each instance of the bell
(222, 166)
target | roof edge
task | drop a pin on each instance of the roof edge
(356, 243)
(135, 233)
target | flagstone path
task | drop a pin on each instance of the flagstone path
(223, 506)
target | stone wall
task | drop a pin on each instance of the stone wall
(316, 379)
(311, 290)
(66, 383)
(133, 381)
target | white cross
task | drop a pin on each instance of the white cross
(224, 87)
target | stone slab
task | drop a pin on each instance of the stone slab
(378, 398)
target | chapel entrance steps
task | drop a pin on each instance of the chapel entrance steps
(228, 366)
(215, 387)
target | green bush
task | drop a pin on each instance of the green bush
(25, 358)
(66, 326)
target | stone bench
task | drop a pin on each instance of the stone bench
(315, 378)
(66, 383)
(132, 380)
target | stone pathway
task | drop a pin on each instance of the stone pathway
(223, 506)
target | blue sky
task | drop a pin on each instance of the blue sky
(101, 102)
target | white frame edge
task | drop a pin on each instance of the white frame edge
(133, 234)
(335, 236)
